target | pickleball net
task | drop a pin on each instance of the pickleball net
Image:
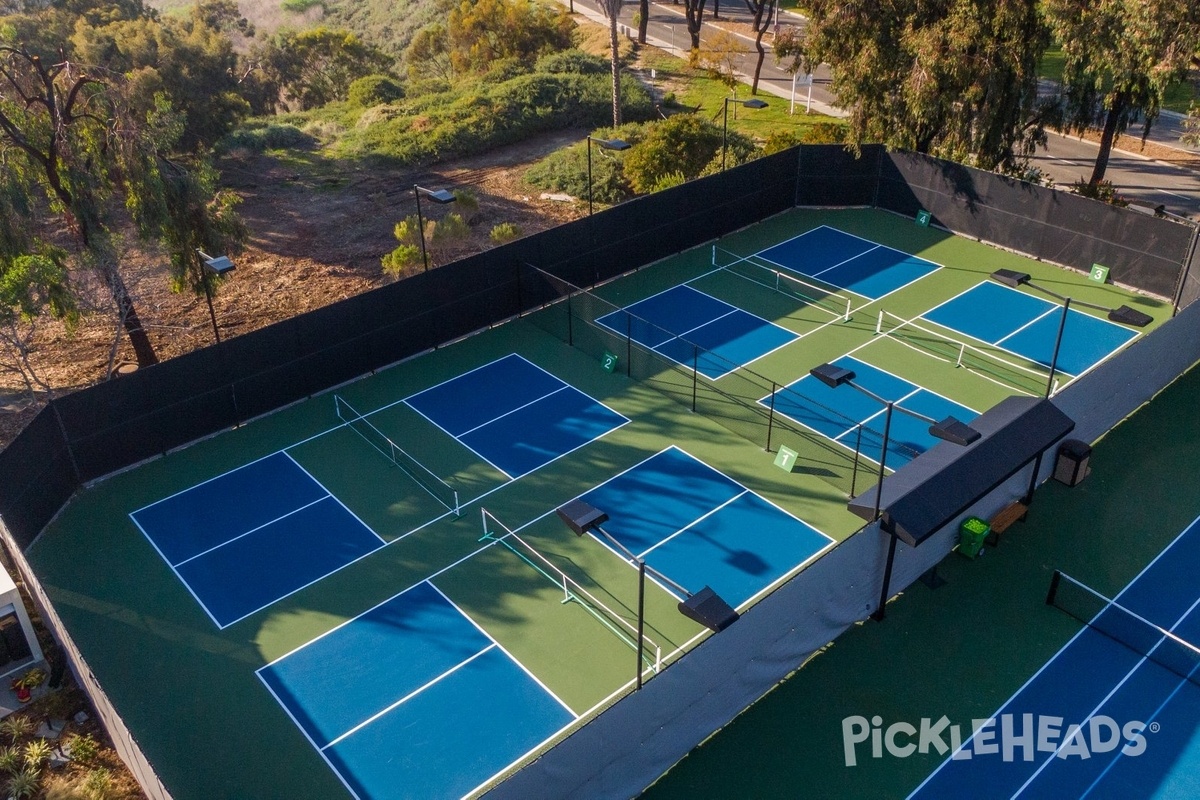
(441, 491)
(763, 273)
(1126, 627)
(1028, 377)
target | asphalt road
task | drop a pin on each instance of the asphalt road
(1068, 159)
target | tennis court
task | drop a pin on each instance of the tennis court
(677, 322)
(850, 262)
(515, 415)
(858, 418)
(1126, 685)
(394, 699)
(249, 537)
(1028, 326)
(699, 527)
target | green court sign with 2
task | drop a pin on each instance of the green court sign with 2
(609, 361)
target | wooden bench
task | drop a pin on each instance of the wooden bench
(1004, 520)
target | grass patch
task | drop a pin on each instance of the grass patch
(1177, 97)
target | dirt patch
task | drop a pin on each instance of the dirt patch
(318, 231)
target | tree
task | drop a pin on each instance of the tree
(693, 12)
(611, 9)
(762, 11)
(428, 55)
(1119, 58)
(1191, 126)
(955, 78)
(72, 148)
(684, 144)
(481, 32)
(718, 56)
(314, 67)
(31, 287)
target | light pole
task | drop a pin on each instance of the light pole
(440, 196)
(606, 144)
(217, 266)
(753, 102)
(948, 430)
(705, 606)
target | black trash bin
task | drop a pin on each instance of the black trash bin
(1072, 464)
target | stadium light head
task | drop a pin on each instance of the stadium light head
(581, 517)
(217, 266)
(611, 144)
(831, 375)
(1011, 277)
(436, 195)
(954, 431)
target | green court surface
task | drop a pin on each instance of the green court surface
(962, 649)
(184, 686)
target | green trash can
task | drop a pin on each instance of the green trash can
(971, 535)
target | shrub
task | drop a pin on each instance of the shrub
(96, 784)
(505, 69)
(1103, 191)
(267, 137)
(450, 228)
(24, 784)
(406, 230)
(374, 90)
(504, 232)
(668, 181)
(573, 61)
(83, 748)
(300, 6)
(10, 760)
(16, 727)
(824, 133)
(36, 753)
(467, 203)
(778, 141)
(683, 143)
(403, 258)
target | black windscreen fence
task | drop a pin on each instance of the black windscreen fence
(1142, 251)
(1189, 283)
(831, 175)
(36, 476)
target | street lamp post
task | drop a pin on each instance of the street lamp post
(440, 196)
(948, 430)
(605, 144)
(217, 266)
(753, 102)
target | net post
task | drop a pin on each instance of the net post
(849, 302)
(879, 323)
(714, 255)
(657, 659)
(457, 505)
(641, 618)
(628, 344)
(962, 349)
(566, 592)
(570, 321)
(771, 416)
(1054, 580)
(695, 373)
(857, 454)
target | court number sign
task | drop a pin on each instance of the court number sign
(1099, 273)
(786, 459)
(609, 361)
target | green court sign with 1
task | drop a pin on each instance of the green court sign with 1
(786, 459)
(609, 361)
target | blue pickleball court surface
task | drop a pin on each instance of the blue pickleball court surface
(671, 322)
(515, 415)
(252, 536)
(837, 413)
(849, 262)
(1028, 326)
(412, 700)
(1097, 683)
(700, 527)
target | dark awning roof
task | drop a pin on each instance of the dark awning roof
(941, 483)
